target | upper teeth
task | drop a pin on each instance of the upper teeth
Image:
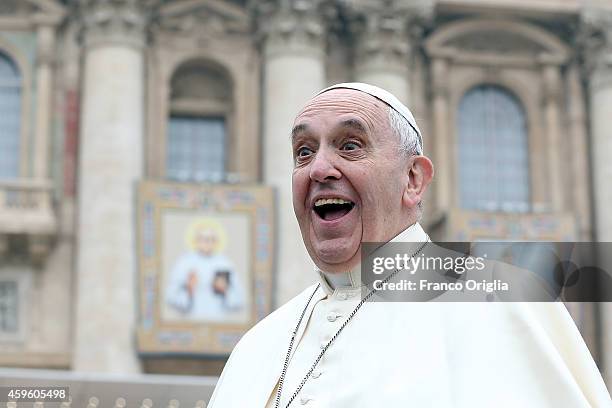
(323, 201)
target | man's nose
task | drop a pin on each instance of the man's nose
(323, 167)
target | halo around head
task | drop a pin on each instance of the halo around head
(206, 224)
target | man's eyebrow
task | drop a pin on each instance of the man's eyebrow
(354, 124)
(297, 129)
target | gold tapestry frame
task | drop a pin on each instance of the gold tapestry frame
(244, 217)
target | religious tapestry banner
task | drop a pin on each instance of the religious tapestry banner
(205, 265)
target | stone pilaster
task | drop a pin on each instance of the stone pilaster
(387, 34)
(111, 156)
(551, 80)
(443, 186)
(45, 33)
(596, 38)
(293, 38)
(577, 121)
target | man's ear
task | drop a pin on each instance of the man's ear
(420, 172)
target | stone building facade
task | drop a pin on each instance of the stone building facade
(91, 90)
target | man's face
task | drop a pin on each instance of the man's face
(348, 177)
(206, 241)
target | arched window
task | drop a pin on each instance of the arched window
(10, 117)
(200, 105)
(493, 151)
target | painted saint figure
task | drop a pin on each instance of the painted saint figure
(203, 284)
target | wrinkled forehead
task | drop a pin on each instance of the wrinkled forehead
(380, 95)
(337, 102)
(347, 95)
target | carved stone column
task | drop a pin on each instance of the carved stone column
(387, 34)
(45, 33)
(577, 121)
(597, 43)
(584, 313)
(551, 80)
(111, 161)
(293, 35)
(442, 148)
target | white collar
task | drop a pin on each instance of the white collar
(351, 280)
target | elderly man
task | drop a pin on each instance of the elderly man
(360, 176)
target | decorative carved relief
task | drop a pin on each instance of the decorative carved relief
(298, 25)
(122, 21)
(203, 21)
(387, 30)
(383, 37)
(496, 41)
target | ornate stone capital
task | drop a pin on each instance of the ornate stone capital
(387, 31)
(595, 39)
(295, 26)
(115, 21)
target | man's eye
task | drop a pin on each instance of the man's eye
(350, 146)
(304, 152)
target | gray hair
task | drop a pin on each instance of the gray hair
(410, 142)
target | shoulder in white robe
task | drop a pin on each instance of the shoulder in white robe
(432, 354)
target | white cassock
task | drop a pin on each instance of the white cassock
(205, 303)
(417, 354)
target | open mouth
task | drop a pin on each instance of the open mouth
(331, 209)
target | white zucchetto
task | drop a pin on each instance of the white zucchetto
(385, 96)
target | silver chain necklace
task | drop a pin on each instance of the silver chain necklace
(297, 326)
